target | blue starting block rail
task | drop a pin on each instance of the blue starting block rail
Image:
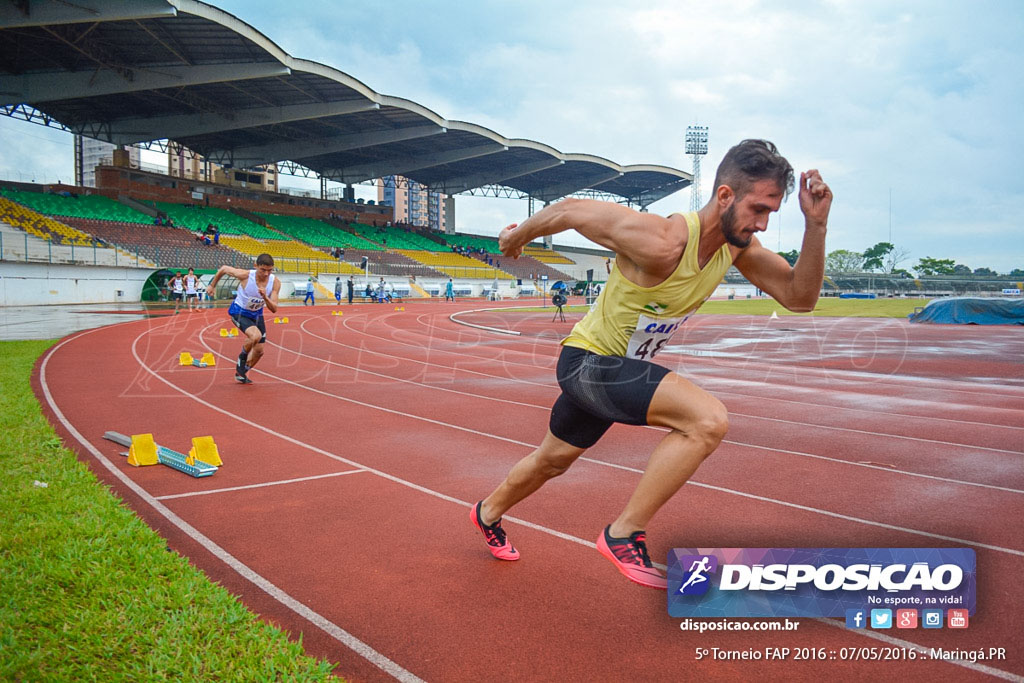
(168, 457)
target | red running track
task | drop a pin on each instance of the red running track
(350, 464)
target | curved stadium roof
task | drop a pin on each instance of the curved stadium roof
(129, 71)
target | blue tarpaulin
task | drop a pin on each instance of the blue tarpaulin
(972, 311)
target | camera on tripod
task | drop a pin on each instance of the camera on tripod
(559, 300)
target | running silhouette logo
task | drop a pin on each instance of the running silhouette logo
(696, 579)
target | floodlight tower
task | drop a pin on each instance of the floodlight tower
(696, 146)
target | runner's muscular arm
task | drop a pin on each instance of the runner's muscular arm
(239, 273)
(797, 287)
(646, 240)
(271, 301)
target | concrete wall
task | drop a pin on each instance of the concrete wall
(33, 284)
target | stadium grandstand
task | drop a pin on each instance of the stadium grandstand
(198, 95)
(193, 71)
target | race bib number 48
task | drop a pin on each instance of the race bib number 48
(651, 335)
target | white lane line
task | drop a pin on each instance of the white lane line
(555, 386)
(728, 441)
(481, 327)
(257, 486)
(329, 627)
(888, 436)
(392, 411)
(775, 399)
(854, 375)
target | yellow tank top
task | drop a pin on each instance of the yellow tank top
(637, 322)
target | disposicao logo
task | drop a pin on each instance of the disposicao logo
(818, 582)
(696, 580)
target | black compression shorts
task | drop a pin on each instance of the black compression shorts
(244, 322)
(598, 391)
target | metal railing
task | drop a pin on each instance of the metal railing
(27, 248)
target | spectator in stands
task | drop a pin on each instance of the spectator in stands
(351, 284)
(605, 369)
(216, 234)
(449, 291)
(370, 293)
(309, 293)
(337, 290)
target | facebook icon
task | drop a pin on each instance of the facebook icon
(856, 618)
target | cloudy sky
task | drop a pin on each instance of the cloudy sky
(916, 101)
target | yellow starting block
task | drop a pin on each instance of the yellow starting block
(232, 332)
(281, 321)
(142, 450)
(204, 450)
(185, 358)
(337, 313)
(399, 308)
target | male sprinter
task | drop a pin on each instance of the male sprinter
(246, 310)
(664, 270)
(177, 290)
(192, 290)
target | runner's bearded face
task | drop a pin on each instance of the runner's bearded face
(756, 205)
(732, 236)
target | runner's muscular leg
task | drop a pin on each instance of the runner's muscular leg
(256, 354)
(252, 340)
(698, 422)
(550, 460)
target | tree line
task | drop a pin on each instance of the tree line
(886, 258)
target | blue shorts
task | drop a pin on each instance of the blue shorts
(244, 322)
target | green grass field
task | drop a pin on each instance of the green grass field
(844, 308)
(89, 592)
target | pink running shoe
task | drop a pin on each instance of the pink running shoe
(629, 555)
(497, 542)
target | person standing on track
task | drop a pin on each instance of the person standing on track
(177, 290)
(449, 291)
(665, 268)
(309, 293)
(257, 289)
(192, 290)
(351, 285)
(337, 290)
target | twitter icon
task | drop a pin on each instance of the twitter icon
(881, 618)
